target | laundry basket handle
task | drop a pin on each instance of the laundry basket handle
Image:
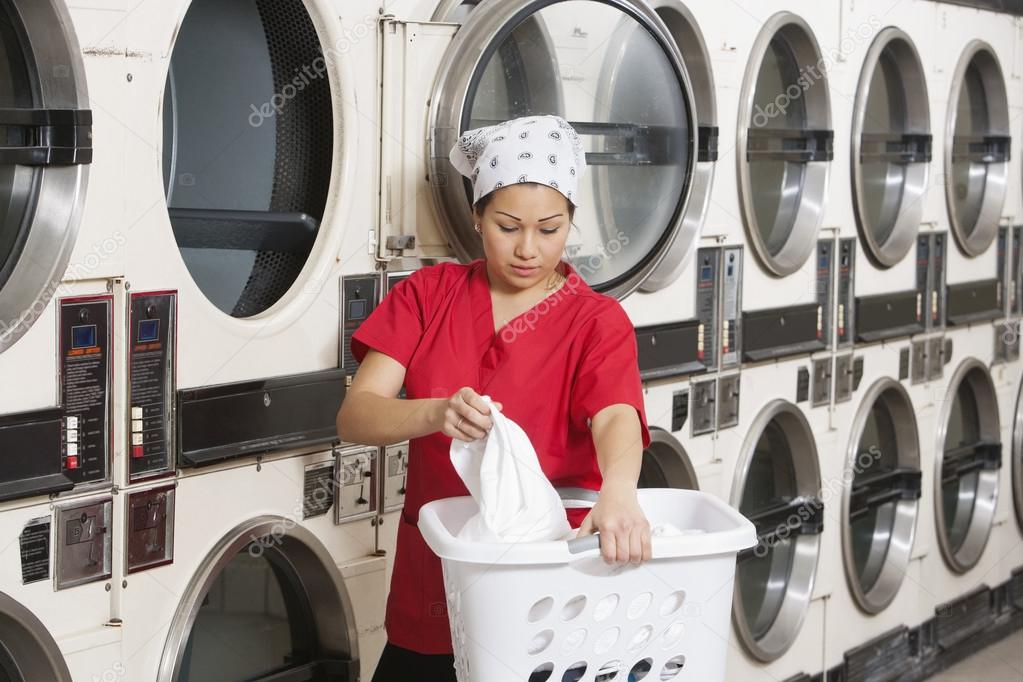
(588, 498)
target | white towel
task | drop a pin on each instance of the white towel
(517, 503)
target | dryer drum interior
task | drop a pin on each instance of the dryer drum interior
(27, 651)
(967, 473)
(44, 156)
(247, 148)
(784, 144)
(882, 498)
(611, 69)
(263, 605)
(977, 150)
(666, 464)
(777, 487)
(891, 147)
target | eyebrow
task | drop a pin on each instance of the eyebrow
(556, 215)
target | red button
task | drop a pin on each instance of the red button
(72, 462)
(137, 451)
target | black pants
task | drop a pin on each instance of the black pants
(401, 665)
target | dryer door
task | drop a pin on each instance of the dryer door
(891, 147)
(880, 506)
(977, 149)
(27, 651)
(966, 473)
(45, 149)
(263, 605)
(612, 69)
(666, 463)
(784, 144)
(776, 486)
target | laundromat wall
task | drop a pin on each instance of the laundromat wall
(811, 211)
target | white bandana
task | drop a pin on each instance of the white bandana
(541, 149)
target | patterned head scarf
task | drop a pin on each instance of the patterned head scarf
(541, 149)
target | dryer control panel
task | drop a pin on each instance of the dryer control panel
(152, 334)
(359, 296)
(85, 380)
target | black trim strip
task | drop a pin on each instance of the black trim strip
(875, 490)
(789, 144)
(45, 137)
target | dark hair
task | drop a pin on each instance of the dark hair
(484, 201)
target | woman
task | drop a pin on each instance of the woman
(521, 326)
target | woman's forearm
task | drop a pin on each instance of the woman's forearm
(372, 419)
(617, 438)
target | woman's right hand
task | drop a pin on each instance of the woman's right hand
(465, 415)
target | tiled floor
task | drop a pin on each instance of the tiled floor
(1000, 662)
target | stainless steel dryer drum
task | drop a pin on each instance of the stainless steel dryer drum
(891, 147)
(245, 215)
(778, 476)
(880, 500)
(784, 142)
(967, 463)
(977, 148)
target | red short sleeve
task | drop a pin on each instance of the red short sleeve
(395, 327)
(608, 370)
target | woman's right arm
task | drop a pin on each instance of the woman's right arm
(372, 414)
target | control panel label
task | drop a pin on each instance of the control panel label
(35, 550)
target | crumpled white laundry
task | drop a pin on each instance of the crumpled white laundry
(501, 470)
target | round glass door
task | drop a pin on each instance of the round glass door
(784, 144)
(978, 152)
(262, 606)
(881, 500)
(247, 148)
(27, 651)
(967, 471)
(777, 486)
(580, 59)
(891, 147)
(43, 159)
(666, 464)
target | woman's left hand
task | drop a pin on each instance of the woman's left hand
(624, 529)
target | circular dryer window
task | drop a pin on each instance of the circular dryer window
(666, 464)
(247, 148)
(27, 651)
(776, 486)
(891, 147)
(260, 608)
(784, 143)
(967, 471)
(44, 159)
(615, 73)
(977, 151)
(880, 505)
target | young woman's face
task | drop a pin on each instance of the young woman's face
(524, 229)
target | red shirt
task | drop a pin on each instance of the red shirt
(552, 368)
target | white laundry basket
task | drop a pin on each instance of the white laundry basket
(537, 612)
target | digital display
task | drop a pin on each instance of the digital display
(357, 309)
(149, 330)
(705, 273)
(83, 336)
